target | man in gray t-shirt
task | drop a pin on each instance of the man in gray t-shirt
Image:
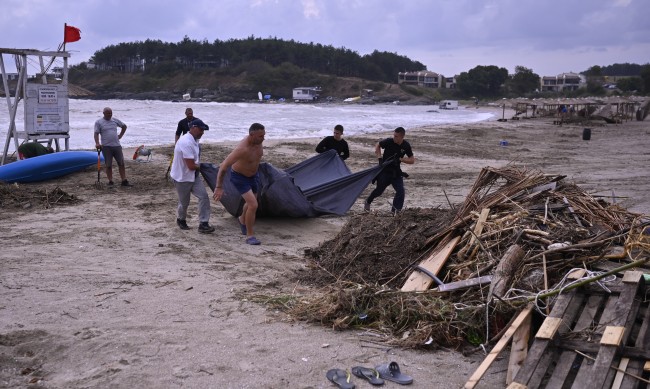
(110, 146)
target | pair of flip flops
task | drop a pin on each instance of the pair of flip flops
(389, 371)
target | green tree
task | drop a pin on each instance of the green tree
(524, 81)
(629, 84)
(482, 81)
(645, 76)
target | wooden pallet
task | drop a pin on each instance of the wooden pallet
(592, 339)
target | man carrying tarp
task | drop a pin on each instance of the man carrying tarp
(396, 151)
(244, 162)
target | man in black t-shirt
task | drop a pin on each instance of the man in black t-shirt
(184, 125)
(335, 142)
(396, 151)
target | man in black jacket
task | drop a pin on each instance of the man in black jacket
(396, 151)
(335, 142)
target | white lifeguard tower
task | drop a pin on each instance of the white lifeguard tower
(45, 105)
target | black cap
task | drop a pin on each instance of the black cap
(199, 123)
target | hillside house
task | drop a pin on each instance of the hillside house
(422, 78)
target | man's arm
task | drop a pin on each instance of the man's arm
(123, 126)
(346, 151)
(96, 136)
(321, 148)
(191, 164)
(179, 131)
(408, 160)
(223, 168)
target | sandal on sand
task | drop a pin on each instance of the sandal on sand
(340, 377)
(242, 226)
(252, 240)
(371, 375)
(391, 372)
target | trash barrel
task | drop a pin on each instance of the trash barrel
(586, 134)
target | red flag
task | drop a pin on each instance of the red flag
(71, 34)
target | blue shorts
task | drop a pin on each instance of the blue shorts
(243, 183)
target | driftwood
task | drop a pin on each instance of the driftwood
(505, 270)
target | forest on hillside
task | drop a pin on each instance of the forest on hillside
(157, 56)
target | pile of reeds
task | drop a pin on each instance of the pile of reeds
(555, 225)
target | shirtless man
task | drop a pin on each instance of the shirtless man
(243, 163)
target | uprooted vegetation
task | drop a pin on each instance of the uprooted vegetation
(552, 225)
(15, 196)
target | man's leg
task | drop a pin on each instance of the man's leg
(183, 189)
(198, 190)
(382, 183)
(250, 209)
(108, 162)
(119, 158)
(400, 194)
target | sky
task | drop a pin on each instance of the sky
(447, 36)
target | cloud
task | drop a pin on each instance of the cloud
(448, 36)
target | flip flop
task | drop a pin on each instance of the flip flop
(371, 375)
(340, 377)
(252, 241)
(391, 372)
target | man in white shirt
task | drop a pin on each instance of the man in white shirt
(185, 173)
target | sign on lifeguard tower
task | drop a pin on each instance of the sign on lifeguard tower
(46, 109)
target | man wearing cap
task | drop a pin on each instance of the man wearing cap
(185, 173)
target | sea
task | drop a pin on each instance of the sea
(153, 123)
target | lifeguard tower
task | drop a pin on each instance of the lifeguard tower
(45, 105)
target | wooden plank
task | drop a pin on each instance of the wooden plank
(515, 385)
(605, 318)
(567, 358)
(518, 349)
(618, 379)
(632, 277)
(478, 230)
(540, 346)
(642, 341)
(549, 328)
(606, 355)
(464, 284)
(612, 336)
(501, 344)
(419, 282)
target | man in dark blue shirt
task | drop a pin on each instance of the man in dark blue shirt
(396, 151)
(335, 142)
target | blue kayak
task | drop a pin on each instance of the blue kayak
(48, 166)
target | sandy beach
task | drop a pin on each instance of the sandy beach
(104, 290)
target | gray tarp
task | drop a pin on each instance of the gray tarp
(320, 185)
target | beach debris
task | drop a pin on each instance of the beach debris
(523, 230)
(26, 196)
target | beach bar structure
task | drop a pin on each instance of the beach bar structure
(45, 105)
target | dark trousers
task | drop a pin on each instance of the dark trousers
(385, 179)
